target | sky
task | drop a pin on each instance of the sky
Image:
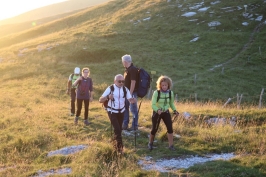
(11, 8)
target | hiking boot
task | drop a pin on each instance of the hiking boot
(124, 127)
(86, 122)
(150, 146)
(171, 148)
(76, 120)
(72, 114)
(132, 129)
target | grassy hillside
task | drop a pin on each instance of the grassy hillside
(160, 44)
(35, 64)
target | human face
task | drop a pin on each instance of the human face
(85, 73)
(125, 64)
(119, 82)
(164, 86)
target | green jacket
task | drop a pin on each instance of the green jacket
(163, 103)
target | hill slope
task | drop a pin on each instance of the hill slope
(225, 60)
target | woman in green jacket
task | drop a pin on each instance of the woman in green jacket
(162, 100)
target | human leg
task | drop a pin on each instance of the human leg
(86, 112)
(116, 121)
(155, 125)
(73, 100)
(79, 106)
(169, 125)
(126, 116)
(134, 111)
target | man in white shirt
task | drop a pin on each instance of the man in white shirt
(116, 107)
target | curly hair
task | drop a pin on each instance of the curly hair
(86, 69)
(166, 79)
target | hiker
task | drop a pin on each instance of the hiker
(130, 75)
(84, 93)
(116, 107)
(72, 90)
(161, 101)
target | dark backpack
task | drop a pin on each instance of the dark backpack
(105, 104)
(144, 81)
(159, 93)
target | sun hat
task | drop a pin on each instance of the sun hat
(77, 70)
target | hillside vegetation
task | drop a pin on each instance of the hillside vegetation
(99, 37)
(225, 60)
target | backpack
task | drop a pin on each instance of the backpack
(105, 104)
(144, 81)
(159, 92)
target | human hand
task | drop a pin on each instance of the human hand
(176, 113)
(132, 100)
(111, 96)
(159, 111)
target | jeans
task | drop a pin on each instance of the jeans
(134, 110)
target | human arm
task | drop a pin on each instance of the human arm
(91, 91)
(106, 95)
(154, 103)
(132, 86)
(172, 105)
(69, 84)
(77, 81)
(129, 96)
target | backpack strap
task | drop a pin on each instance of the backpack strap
(159, 93)
(125, 92)
(158, 96)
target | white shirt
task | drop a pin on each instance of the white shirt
(119, 101)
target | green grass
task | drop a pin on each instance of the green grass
(34, 107)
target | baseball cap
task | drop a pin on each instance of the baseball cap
(77, 70)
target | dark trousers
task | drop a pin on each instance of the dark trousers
(79, 107)
(73, 99)
(156, 119)
(116, 121)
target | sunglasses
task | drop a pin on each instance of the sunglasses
(121, 81)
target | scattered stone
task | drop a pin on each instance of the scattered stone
(189, 14)
(147, 19)
(164, 165)
(195, 39)
(61, 171)
(259, 18)
(216, 2)
(214, 23)
(67, 150)
(245, 23)
(203, 9)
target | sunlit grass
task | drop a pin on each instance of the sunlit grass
(34, 108)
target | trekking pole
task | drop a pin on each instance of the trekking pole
(134, 119)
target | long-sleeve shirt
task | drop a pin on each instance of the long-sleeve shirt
(119, 101)
(164, 102)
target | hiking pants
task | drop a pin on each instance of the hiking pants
(156, 118)
(79, 107)
(117, 120)
(73, 99)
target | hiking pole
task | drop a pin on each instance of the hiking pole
(134, 119)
